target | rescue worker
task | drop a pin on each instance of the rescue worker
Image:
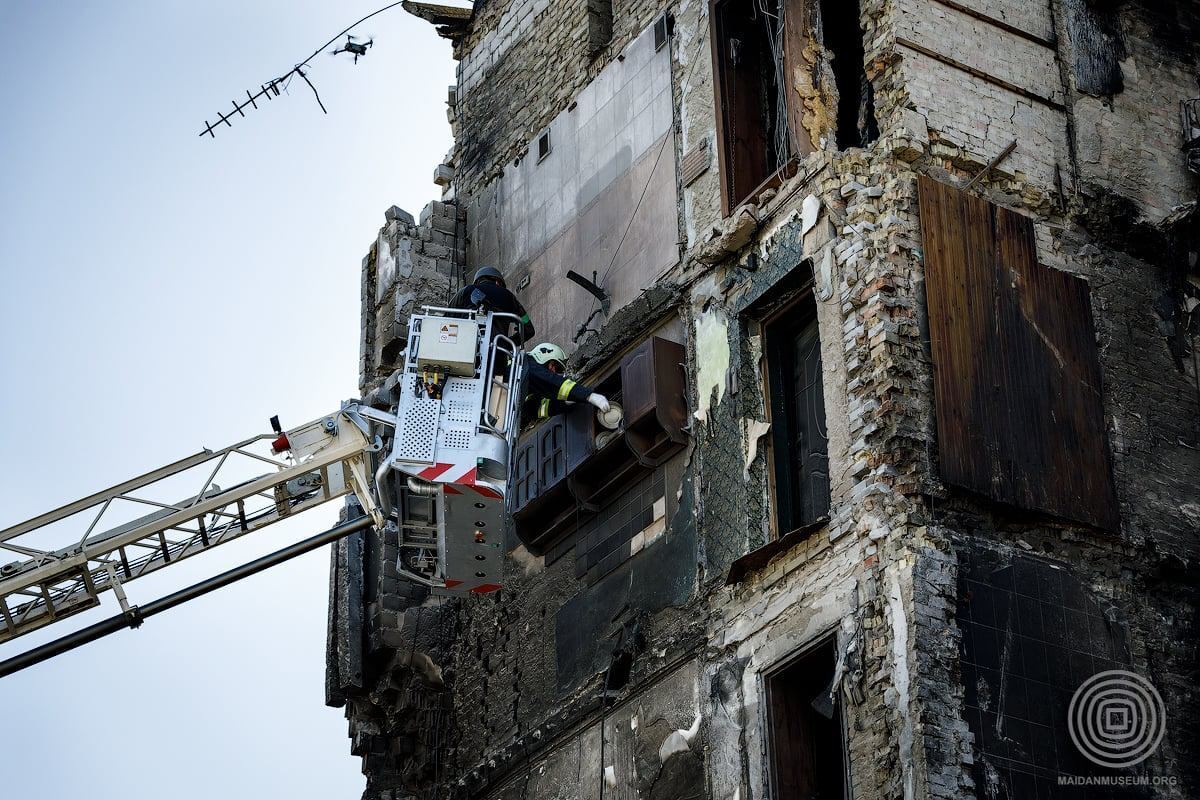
(547, 389)
(487, 291)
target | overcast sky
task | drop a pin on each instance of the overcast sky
(164, 292)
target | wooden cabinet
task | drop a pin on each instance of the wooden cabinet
(652, 381)
(559, 476)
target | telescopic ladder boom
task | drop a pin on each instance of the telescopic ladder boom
(328, 459)
(430, 472)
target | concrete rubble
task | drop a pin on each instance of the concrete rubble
(952, 628)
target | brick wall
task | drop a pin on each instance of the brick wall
(529, 700)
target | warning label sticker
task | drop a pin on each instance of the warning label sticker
(448, 334)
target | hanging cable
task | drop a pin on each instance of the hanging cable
(273, 87)
(662, 148)
(775, 42)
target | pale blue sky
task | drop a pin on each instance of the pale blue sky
(163, 292)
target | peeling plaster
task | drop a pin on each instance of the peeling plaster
(385, 268)
(780, 223)
(825, 274)
(712, 359)
(895, 601)
(679, 741)
(810, 211)
(755, 430)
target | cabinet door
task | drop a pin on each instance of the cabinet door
(638, 385)
(581, 434)
(523, 481)
(652, 386)
(552, 453)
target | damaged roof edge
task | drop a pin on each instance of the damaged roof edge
(451, 21)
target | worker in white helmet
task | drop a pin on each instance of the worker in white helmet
(547, 388)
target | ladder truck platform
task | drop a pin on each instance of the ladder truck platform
(426, 456)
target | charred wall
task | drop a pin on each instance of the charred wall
(959, 617)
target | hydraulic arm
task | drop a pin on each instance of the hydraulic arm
(427, 460)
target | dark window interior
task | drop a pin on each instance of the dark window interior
(748, 48)
(1032, 634)
(757, 44)
(600, 24)
(662, 30)
(842, 35)
(799, 437)
(808, 759)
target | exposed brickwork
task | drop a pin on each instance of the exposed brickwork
(526, 709)
(540, 47)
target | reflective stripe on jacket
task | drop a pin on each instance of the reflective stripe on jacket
(545, 392)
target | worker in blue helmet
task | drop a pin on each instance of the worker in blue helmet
(488, 293)
(547, 387)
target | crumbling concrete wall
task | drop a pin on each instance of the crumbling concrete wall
(571, 206)
(1128, 139)
(897, 574)
(408, 265)
(387, 642)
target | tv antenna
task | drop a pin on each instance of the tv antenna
(274, 87)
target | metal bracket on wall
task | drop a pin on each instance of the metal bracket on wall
(592, 288)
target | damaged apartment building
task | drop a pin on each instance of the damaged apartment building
(900, 299)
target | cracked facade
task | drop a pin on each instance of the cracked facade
(927, 276)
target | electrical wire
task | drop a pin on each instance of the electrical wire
(774, 39)
(700, 39)
(320, 49)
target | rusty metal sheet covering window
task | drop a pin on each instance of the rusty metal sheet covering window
(1020, 417)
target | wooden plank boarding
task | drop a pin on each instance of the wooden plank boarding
(1017, 381)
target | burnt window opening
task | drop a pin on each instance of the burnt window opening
(663, 27)
(807, 731)
(600, 25)
(1097, 48)
(620, 665)
(543, 145)
(796, 405)
(842, 35)
(1189, 115)
(748, 53)
(1032, 634)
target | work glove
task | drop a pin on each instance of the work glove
(599, 401)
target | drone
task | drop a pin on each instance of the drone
(357, 48)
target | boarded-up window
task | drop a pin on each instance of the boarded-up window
(1020, 417)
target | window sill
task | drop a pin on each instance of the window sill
(759, 558)
(802, 174)
(773, 181)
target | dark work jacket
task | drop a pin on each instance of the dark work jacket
(547, 394)
(494, 297)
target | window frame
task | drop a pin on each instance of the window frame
(798, 140)
(792, 302)
(767, 680)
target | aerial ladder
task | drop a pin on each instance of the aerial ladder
(426, 456)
